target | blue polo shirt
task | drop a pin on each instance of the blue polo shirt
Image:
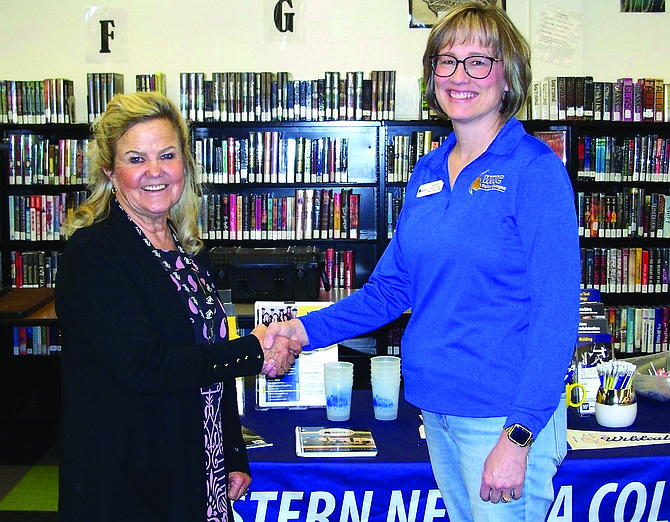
(491, 271)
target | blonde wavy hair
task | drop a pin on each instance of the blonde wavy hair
(489, 26)
(124, 111)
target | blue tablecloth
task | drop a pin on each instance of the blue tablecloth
(398, 485)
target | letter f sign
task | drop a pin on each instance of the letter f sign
(106, 34)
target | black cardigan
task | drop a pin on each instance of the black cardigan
(131, 429)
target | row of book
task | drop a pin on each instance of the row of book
(36, 340)
(155, 82)
(37, 101)
(394, 339)
(268, 157)
(405, 150)
(637, 158)
(309, 214)
(638, 330)
(582, 98)
(268, 96)
(633, 212)
(36, 160)
(37, 268)
(626, 270)
(100, 89)
(395, 198)
(340, 268)
(39, 217)
(34, 268)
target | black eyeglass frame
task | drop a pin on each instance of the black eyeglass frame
(491, 59)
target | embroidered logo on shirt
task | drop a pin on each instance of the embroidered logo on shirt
(488, 182)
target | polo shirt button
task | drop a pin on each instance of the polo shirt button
(215, 367)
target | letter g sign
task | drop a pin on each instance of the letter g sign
(284, 21)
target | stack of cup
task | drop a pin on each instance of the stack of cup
(385, 378)
(338, 380)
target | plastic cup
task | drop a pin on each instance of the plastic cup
(385, 362)
(385, 379)
(338, 380)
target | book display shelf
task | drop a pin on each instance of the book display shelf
(261, 178)
(619, 172)
(620, 175)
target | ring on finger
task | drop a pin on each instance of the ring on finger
(505, 499)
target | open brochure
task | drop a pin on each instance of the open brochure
(324, 441)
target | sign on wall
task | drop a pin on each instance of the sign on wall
(284, 21)
(106, 35)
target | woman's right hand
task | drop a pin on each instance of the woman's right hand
(280, 355)
(292, 329)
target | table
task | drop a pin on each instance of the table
(398, 485)
(27, 306)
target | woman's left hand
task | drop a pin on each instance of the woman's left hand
(238, 482)
(504, 471)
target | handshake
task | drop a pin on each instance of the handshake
(282, 343)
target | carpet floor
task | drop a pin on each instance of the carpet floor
(28, 477)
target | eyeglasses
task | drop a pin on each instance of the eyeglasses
(477, 67)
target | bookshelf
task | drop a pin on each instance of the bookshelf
(626, 248)
(348, 161)
(629, 196)
(379, 158)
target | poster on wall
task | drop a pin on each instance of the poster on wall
(424, 13)
(643, 6)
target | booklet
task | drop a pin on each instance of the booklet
(334, 442)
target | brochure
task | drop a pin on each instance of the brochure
(325, 441)
(302, 386)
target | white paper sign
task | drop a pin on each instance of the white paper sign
(583, 439)
(106, 35)
(302, 386)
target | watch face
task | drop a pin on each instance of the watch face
(520, 435)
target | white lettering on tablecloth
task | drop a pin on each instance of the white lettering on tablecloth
(322, 506)
(634, 493)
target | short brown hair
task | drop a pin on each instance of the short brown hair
(491, 28)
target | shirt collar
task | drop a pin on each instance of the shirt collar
(503, 144)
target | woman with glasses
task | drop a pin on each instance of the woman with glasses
(486, 255)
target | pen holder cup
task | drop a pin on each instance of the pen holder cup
(616, 408)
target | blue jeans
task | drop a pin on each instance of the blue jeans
(458, 448)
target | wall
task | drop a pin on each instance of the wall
(43, 38)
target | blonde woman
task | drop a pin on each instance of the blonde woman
(149, 426)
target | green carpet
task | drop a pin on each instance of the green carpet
(37, 491)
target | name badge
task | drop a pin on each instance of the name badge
(428, 189)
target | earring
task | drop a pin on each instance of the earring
(114, 190)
